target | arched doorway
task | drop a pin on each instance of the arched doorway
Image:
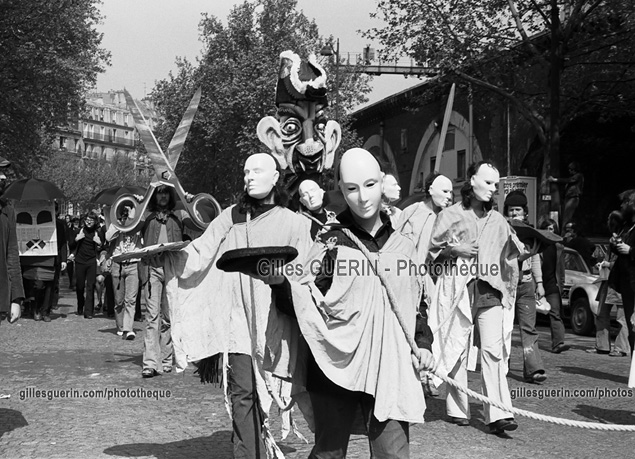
(455, 159)
(382, 151)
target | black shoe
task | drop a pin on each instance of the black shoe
(597, 351)
(537, 377)
(46, 318)
(87, 316)
(463, 422)
(561, 348)
(80, 312)
(149, 373)
(37, 316)
(502, 425)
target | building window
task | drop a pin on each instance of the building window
(460, 165)
(125, 119)
(62, 143)
(449, 141)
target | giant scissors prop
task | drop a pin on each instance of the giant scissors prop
(202, 208)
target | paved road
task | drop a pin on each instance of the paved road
(183, 419)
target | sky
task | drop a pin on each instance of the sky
(145, 37)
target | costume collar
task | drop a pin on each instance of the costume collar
(346, 220)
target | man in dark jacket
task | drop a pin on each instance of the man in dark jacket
(12, 292)
(160, 227)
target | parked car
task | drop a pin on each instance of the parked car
(581, 286)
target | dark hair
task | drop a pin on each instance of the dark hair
(548, 222)
(427, 183)
(467, 193)
(575, 166)
(152, 205)
(615, 221)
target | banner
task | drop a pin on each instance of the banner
(36, 228)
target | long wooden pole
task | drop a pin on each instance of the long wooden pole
(444, 129)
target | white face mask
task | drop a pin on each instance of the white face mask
(485, 183)
(361, 183)
(260, 175)
(392, 190)
(311, 195)
(441, 191)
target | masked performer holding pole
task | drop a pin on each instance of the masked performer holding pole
(361, 361)
(475, 295)
(230, 313)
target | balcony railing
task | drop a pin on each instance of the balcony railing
(109, 138)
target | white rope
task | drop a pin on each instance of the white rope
(460, 387)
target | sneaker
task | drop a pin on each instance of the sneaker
(130, 336)
(167, 369)
(119, 333)
(616, 353)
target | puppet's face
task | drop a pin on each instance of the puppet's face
(392, 190)
(361, 182)
(261, 175)
(485, 182)
(441, 191)
(311, 195)
(303, 129)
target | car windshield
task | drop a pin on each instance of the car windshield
(574, 262)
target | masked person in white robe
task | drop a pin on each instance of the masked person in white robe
(360, 367)
(230, 313)
(418, 219)
(475, 296)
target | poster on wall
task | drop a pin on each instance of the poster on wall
(525, 184)
(36, 228)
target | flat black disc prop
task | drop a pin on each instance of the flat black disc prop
(526, 232)
(256, 259)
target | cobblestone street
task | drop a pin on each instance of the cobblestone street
(182, 418)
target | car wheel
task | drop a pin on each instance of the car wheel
(582, 320)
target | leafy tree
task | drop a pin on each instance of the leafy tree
(80, 179)
(50, 56)
(552, 60)
(238, 72)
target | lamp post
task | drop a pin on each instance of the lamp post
(327, 50)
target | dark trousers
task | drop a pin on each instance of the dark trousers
(335, 417)
(246, 416)
(109, 295)
(86, 275)
(70, 270)
(555, 320)
(43, 292)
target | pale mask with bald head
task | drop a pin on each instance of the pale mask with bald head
(311, 195)
(392, 190)
(441, 191)
(485, 183)
(261, 175)
(361, 183)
